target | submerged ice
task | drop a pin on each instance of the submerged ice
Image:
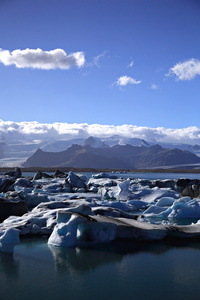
(73, 211)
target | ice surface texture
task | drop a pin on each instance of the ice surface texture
(72, 211)
(8, 240)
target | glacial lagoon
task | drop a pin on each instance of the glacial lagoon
(141, 270)
(116, 270)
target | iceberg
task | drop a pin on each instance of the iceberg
(165, 201)
(185, 209)
(8, 240)
(80, 230)
(71, 211)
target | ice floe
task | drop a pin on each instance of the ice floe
(8, 240)
(72, 210)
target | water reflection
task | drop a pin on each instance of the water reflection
(82, 259)
(118, 270)
(9, 265)
(85, 259)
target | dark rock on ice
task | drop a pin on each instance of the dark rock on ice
(11, 208)
(16, 173)
(182, 183)
(24, 182)
(6, 184)
(185, 182)
(59, 174)
(40, 175)
(14, 196)
(167, 183)
(145, 182)
(191, 191)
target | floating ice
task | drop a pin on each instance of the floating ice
(153, 211)
(75, 181)
(64, 234)
(89, 233)
(73, 213)
(8, 240)
(104, 175)
(101, 182)
(165, 201)
(157, 193)
(78, 231)
(185, 209)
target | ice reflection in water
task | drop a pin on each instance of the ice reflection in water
(118, 270)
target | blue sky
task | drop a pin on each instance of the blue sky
(138, 62)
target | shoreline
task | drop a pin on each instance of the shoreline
(93, 170)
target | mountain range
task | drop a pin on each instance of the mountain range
(17, 152)
(115, 157)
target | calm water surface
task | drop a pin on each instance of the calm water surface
(120, 270)
(150, 176)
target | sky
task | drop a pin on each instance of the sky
(108, 62)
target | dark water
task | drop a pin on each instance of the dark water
(120, 270)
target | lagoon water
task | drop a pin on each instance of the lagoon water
(118, 270)
(150, 176)
(114, 271)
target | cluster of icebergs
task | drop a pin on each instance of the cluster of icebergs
(74, 211)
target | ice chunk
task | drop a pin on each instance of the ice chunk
(64, 234)
(106, 193)
(104, 175)
(53, 188)
(122, 206)
(81, 231)
(33, 199)
(64, 215)
(183, 209)
(165, 201)
(9, 240)
(153, 211)
(138, 204)
(75, 180)
(97, 182)
(122, 191)
(25, 182)
(157, 193)
(96, 232)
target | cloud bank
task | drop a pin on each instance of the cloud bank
(124, 80)
(186, 70)
(39, 59)
(29, 132)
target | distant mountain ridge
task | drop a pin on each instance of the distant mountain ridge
(17, 153)
(116, 157)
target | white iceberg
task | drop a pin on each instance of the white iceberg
(185, 209)
(165, 201)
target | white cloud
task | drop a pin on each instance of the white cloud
(154, 86)
(23, 132)
(124, 80)
(186, 70)
(98, 57)
(131, 64)
(39, 59)
(96, 60)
